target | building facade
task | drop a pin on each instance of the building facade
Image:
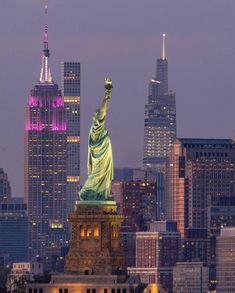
(70, 85)
(200, 172)
(190, 277)
(160, 117)
(157, 251)
(14, 231)
(138, 204)
(225, 259)
(5, 188)
(200, 195)
(45, 162)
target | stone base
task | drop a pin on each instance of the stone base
(95, 247)
(74, 283)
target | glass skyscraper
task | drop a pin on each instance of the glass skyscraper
(70, 84)
(45, 162)
(160, 117)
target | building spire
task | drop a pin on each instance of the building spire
(164, 47)
(45, 75)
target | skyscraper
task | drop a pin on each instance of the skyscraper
(226, 260)
(160, 117)
(5, 188)
(200, 174)
(70, 85)
(45, 161)
(200, 194)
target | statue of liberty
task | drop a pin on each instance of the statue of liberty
(100, 159)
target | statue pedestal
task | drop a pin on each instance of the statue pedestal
(95, 246)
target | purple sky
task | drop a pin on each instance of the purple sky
(120, 39)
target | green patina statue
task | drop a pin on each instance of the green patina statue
(100, 158)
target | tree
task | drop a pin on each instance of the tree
(20, 285)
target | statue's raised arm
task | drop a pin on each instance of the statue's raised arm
(100, 159)
(106, 100)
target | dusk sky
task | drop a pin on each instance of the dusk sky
(122, 40)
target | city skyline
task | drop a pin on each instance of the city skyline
(126, 51)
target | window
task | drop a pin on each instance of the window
(82, 231)
(60, 290)
(113, 290)
(88, 231)
(93, 290)
(35, 290)
(96, 230)
(124, 290)
(118, 290)
(40, 290)
(88, 290)
(66, 290)
(30, 290)
(105, 290)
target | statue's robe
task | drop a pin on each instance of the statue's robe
(100, 162)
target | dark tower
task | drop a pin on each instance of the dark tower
(160, 117)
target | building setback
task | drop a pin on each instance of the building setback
(70, 85)
(45, 162)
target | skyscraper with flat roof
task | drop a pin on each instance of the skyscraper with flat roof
(70, 85)
(160, 117)
(200, 194)
(200, 173)
(45, 161)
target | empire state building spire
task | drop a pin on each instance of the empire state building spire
(45, 75)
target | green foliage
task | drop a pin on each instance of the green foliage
(20, 285)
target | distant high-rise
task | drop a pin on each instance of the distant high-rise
(45, 161)
(226, 260)
(138, 204)
(200, 173)
(157, 251)
(190, 277)
(5, 188)
(70, 85)
(200, 194)
(160, 117)
(14, 231)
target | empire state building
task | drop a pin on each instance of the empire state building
(45, 162)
